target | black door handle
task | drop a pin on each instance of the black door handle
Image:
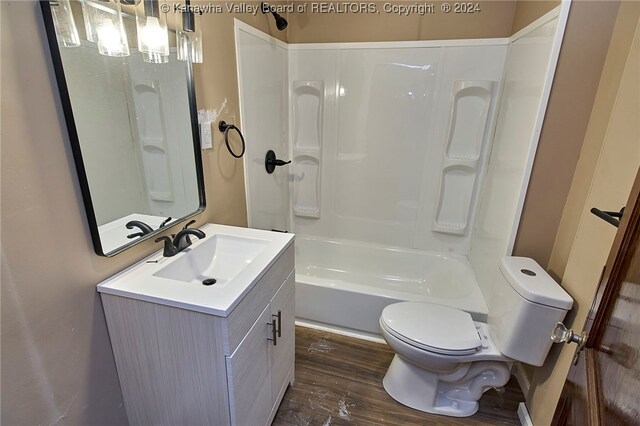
(270, 161)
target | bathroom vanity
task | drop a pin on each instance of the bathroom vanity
(190, 353)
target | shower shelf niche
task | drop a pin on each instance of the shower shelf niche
(470, 104)
(153, 146)
(308, 98)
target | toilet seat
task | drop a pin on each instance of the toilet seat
(433, 328)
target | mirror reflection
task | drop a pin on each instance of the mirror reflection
(134, 116)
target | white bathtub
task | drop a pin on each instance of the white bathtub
(346, 284)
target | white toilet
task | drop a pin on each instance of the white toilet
(445, 361)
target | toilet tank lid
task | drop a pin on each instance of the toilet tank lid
(534, 283)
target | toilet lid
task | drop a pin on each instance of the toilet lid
(435, 328)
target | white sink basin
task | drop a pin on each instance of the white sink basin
(220, 257)
(234, 257)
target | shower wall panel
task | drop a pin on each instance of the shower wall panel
(470, 103)
(307, 118)
(385, 115)
(313, 147)
(528, 75)
(262, 77)
(385, 136)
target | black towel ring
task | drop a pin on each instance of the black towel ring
(224, 128)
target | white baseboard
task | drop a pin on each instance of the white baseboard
(339, 330)
(523, 415)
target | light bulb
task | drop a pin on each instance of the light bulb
(104, 26)
(153, 34)
(108, 35)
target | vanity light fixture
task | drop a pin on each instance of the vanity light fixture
(153, 37)
(65, 25)
(188, 35)
(104, 26)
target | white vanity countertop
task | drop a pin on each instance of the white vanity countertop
(140, 281)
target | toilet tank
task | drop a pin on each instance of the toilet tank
(524, 305)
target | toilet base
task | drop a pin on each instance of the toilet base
(454, 394)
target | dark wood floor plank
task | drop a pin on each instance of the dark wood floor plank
(339, 382)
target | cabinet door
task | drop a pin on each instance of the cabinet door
(282, 354)
(248, 375)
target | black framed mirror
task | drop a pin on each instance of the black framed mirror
(132, 122)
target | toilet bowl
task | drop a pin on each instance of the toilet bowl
(445, 361)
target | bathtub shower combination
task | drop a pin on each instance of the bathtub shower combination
(347, 284)
(409, 163)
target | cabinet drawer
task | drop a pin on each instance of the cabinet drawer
(248, 375)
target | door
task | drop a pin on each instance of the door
(283, 353)
(603, 387)
(248, 375)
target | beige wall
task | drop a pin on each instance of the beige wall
(594, 137)
(494, 20)
(582, 56)
(609, 162)
(528, 11)
(56, 360)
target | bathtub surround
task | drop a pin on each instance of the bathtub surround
(358, 118)
(389, 144)
(397, 131)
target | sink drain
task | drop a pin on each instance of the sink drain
(209, 281)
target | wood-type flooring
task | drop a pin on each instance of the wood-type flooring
(338, 381)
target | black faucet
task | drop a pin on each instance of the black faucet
(144, 228)
(188, 240)
(164, 222)
(180, 241)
